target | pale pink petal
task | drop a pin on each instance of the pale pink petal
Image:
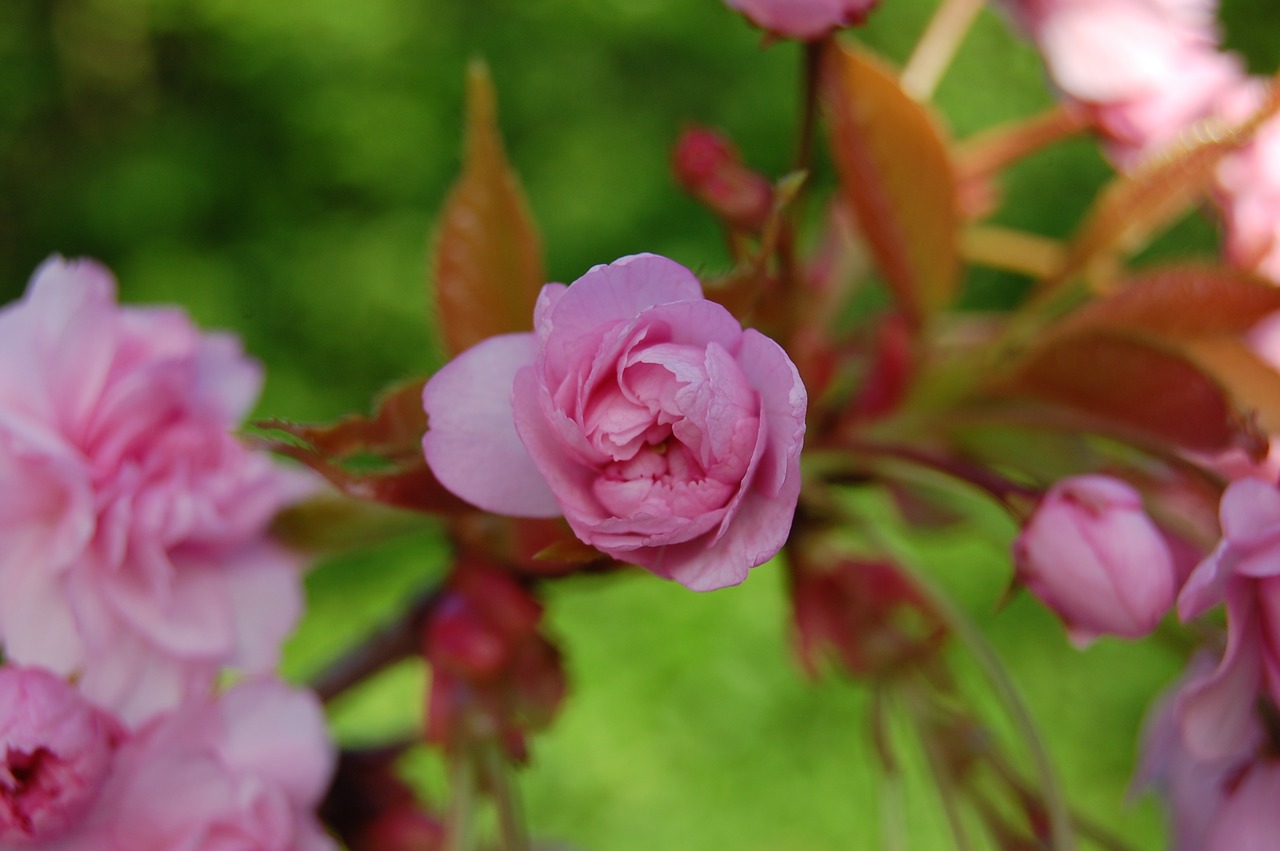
(279, 734)
(759, 530)
(471, 442)
(784, 401)
(1216, 712)
(616, 293)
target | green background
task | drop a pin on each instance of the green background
(276, 167)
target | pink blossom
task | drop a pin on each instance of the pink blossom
(55, 754)
(244, 772)
(1195, 790)
(666, 435)
(1091, 554)
(1147, 68)
(803, 19)
(132, 524)
(1243, 571)
(1248, 191)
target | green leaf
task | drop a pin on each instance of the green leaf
(897, 175)
(488, 257)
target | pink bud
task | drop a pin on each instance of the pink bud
(56, 750)
(1091, 554)
(709, 168)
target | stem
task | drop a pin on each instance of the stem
(942, 37)
(992, 150)
(942, 778)
(399, 640)
(1062, 835)
(461, 816)
(809, 104)
(510, 819)
(1012, 250)
(1003, 490)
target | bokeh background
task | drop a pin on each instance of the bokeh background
(276, 167)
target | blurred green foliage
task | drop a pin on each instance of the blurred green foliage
(275, 167)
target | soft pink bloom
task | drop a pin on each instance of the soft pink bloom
(1243, 571)
(803, 19)
(55, 754)
(1195, 791)
(245, 772)
(1091, 554)
(1147, 68)
(1248, 191)
(133, 552)
(666, 435)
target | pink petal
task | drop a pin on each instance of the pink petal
(1216, 712)
(471, 442)
(619, 292)
(784, 400)
(755, 535)
(279, 733)
(1249, 507)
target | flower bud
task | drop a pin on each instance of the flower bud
(709, 168)
(1091, 554)
(56, 750)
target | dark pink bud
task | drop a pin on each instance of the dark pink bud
(503, 602)
(709, 168)
(56, 750)
(1091, 553)
(462, 641)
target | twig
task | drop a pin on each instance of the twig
(942, 37)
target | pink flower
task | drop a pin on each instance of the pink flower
(245, 772)
(55, 754)
(1091, 554)
(1195, 791)
(1248, 191)
(667, 435)
(1148, 68)
(1243, 571)
(803, 19)
(132, 524)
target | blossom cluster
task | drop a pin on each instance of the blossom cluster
(1150, 72)
(135, 572)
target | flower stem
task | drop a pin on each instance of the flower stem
(1062, 834)
(1012, 250)
(459, 834)
(942, 37)
(990, 151)
(497, 774)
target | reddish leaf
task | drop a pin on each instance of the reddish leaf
(488, 258)
(411, 485)
(897, 175)
(1135, 207)
(1181, 302)
(395, 430)
(1252, 382)
(1131, 383)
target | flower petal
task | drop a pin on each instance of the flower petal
(471, 443)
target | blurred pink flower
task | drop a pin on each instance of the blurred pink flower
(1243, 571)
(1091, 554)
(1194, 790)
(1248, 191)
(55, 754)
(667, 435)
(132, 524)
(1147, 68)
(803, 19)
(244, 772)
